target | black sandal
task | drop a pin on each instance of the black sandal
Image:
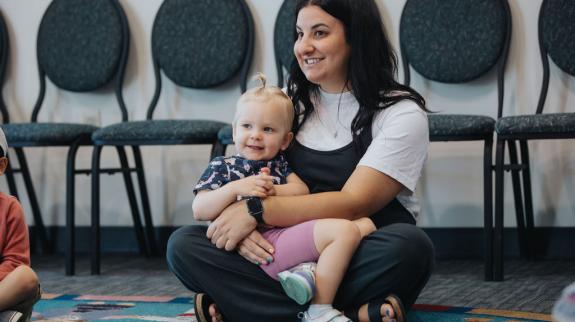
(374, 310)
(202, 302)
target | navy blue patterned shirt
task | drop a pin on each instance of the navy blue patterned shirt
(223, 170)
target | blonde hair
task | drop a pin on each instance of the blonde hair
(267, 93)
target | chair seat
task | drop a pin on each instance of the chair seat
(46, 134)
(154, 132)
(553, 125)
(460, 127)
(225, 135)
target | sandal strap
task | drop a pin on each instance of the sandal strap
(398, 308)
(202, 302)
(374, 310)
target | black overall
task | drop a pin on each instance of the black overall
(395, 259)
(329, 170)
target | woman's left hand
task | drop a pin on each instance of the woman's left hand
(256, 249)
(232, 226)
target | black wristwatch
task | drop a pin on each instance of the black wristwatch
(256, 209)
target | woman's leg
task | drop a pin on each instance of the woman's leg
(336, 240)
(18, 286)
(242, 290)
(396, 259)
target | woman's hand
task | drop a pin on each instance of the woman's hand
(256, 249)
(232, 226)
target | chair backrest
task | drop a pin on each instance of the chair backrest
(201, 43)
(455, 41)
(556, 40)
(82, 45)
(284, 38)
(4, 49)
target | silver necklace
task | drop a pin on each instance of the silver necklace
(333, 128)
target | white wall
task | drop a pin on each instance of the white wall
(451, 185)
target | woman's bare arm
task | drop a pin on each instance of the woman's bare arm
(366, 191)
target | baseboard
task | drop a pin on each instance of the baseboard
(450, 243)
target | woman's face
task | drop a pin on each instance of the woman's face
(321, 49)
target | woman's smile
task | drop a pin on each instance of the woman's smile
(321, 49)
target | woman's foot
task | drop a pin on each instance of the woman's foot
(390, 309)
(214, 314)
(386, 311)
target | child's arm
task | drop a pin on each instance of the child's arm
(294, 186)
(208, 204)
(16, 251)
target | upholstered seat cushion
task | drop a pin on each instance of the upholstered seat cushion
(153, 132)
(456, 125)
(225, 135)
(538, 124)
(46, 134)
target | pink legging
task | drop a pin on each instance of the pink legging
(293, 245)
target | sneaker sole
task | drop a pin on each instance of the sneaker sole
(296, 287)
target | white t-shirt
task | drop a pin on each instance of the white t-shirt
(400, 138)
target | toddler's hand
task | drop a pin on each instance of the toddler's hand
(254, 186)
(271, 191)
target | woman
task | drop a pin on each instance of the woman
(361, 141)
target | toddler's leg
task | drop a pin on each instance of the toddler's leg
(336, 240)
(18, 286)
(365, 225)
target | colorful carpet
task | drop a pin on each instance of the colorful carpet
(63, 308)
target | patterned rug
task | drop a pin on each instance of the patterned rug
(64, 308)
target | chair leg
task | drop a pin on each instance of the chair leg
(518, 197)
(529, 231)
(95, 256)
(132, 200)
(10, 178)
(488, 208)
(499, 194)
(39, 227)
(218, 149)
(145, 201)
(11, 181)
(70, 207)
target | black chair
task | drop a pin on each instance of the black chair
(82, 46)
(452, 41)
(39, 229)
(284, 57)
(197, 44)
(556, 40)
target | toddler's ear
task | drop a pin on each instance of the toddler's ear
(287, 140)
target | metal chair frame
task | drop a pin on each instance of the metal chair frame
(487, 145)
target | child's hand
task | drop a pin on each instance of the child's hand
(271, 191)
(254, 186)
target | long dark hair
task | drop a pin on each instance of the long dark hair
(371, 70)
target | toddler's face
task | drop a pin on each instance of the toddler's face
(261, 129)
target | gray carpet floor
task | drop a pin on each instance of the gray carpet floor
(528, 286)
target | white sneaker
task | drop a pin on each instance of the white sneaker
(332, 315)
(299, 282)
(10, 316)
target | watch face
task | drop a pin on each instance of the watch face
(255, 209)
(255, 206)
